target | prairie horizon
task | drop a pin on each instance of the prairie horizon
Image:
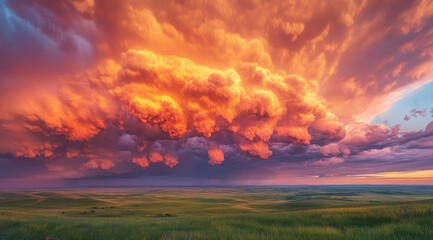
(207, 186)
(243, 212)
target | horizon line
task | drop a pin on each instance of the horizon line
(215, 186)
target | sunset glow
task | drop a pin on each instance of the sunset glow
(243, 92)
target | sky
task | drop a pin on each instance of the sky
(413, 109)
(243, 92)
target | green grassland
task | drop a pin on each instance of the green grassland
(301, 212)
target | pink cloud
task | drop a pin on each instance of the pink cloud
(99, 163)
(119, 86)
(327, 161)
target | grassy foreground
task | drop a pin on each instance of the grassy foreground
(256, 213)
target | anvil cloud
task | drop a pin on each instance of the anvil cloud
(213, 92)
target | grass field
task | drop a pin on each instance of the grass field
(331, 212)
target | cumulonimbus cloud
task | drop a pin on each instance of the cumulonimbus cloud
(181, 97)
(136, 81)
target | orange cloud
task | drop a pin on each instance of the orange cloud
(180, 96)
(258, 148)
(168, 158)
(55, 168)
(243, 73)
(99, 163)
(142, 162)
(68, 114)
(216, 156)
(72, 153)
(155, 157)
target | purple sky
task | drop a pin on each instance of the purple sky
(235, 92)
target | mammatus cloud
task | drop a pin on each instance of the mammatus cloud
(254, 105)
(142, 162)
(90, 87)
(216, 156)
(181, 98)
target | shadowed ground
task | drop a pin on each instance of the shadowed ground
(326, 212)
